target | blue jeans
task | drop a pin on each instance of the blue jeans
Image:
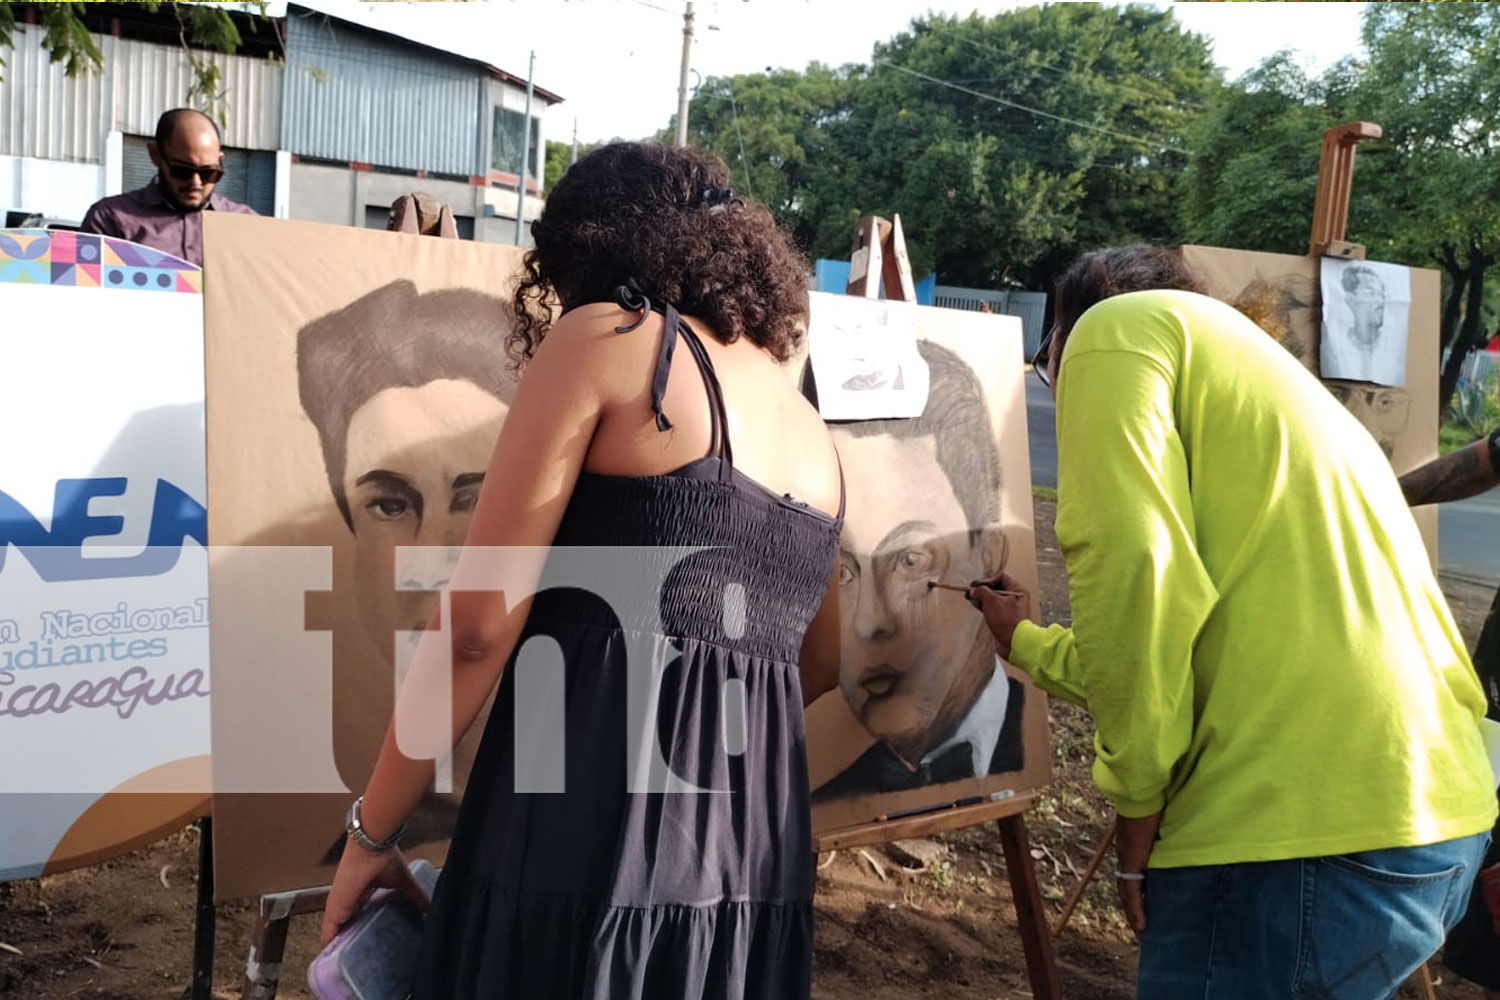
(1348, 927)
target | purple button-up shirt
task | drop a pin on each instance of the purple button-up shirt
(145, 216)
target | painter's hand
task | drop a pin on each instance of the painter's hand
(359, 874)
(1134, 839)
(1002, 611)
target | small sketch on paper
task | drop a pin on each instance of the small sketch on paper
(880, 375)
(1366, 306)
(864, 359)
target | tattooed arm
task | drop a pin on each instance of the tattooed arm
(1464, 473)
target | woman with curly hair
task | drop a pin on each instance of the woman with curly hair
(641, 827)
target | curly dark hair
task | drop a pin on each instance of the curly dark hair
(638, 211)
(1100, 274)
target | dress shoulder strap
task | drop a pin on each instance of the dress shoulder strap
(630, 296)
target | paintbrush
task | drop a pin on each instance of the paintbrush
(935, 585)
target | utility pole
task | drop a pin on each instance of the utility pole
(525, 153)
(575, 143)
(682, 84)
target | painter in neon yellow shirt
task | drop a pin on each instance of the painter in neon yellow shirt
(1257, 631)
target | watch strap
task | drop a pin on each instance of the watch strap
(356, 831)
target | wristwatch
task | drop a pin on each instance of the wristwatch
(356, 831)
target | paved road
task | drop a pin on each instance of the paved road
(1469, 538)
(1468, 531)
(1040, 424)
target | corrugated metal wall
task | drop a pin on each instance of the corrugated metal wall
(45, 114)
(150, 79)
(350, 96)
(42, 112)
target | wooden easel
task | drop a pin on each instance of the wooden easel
(263, 968)
(880, 252)
(1335, 181)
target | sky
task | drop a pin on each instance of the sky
(617, 62)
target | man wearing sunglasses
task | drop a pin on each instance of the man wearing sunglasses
(165, 214)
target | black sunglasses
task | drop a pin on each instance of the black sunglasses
(1039, 359)
(184, 172)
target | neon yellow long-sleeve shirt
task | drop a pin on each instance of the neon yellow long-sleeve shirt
(1256, 629)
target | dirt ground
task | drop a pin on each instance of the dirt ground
(123, 930)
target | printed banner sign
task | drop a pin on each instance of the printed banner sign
(104, 682)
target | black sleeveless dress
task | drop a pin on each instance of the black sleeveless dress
(603, 890)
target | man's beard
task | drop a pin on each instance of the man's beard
(172, 200)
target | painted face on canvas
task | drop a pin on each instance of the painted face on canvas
(914, 659)
(416, 460)
(1384, 410)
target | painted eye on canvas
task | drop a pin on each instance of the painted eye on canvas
(914, 561)
(846, 574)
(388, 508)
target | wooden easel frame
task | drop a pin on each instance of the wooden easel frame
(1335, 181)
(880, 252)
(263, 967)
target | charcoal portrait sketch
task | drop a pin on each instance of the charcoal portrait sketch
(1365, 314)
(1285, 306)
(864, 359)
(408, 394)
(919, 668)
(352, 420)
(1384, 410)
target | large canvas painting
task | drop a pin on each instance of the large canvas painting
(352, 414)
(926, 714)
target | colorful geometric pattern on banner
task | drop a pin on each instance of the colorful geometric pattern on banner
(86, 260)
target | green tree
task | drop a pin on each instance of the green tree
(1010, 143)
(1429, 189)
(1254, 168)
(559, 157)
(1005, 143)
(777, 133)
(1426, 194)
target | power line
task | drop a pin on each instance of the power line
(1015, 147)
(664, 10)
(1028, 146)
(1075, 73)
(1153, 144)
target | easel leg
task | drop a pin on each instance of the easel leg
(1423, 977)
(203, 929)
(1088, 875)
(1041, 965)
(263, 969)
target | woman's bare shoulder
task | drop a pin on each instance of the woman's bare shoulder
(596, 343)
